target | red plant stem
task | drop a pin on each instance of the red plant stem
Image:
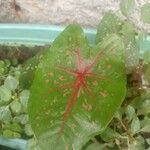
(70, 105)
(89, 67)
(79, 60)
(81, 73)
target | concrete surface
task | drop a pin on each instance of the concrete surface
(85, 12)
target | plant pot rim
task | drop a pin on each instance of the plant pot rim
(38, 34)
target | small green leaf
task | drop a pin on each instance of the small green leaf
(5, 94)
(28, 130)
(135, 125)
(146, 128)
(145, 108)
(127, 7)
(23, 119)
(148, 141)
(96, 146)
(145, 125)
(109, 135)
(16, 107)
(130, 112)
(145, 13)
(137, 144)
(5, 114)
(11, 83)
(2, 67)
(128, 34)
(110, 24)
(15, 127)
(11, 134)
(24, 96)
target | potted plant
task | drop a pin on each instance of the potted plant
(77, 87)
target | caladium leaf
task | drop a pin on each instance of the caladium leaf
(76, 90)
(111, 24)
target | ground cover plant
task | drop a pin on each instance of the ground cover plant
(74, 90)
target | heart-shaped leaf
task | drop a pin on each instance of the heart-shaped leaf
(111, 24)
(76, 90)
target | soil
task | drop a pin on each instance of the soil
(20, 53)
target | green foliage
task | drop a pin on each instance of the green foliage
(88, 117)
(145, 13)
(13, 103)
(11, 83)
(130, 112)
(135, 125)
(95, 146)
(15, 107)
(5, 114)
(109, 135)
(111, 24)
(127, 6)
(28, 70)
(23, 97)
(5, 94)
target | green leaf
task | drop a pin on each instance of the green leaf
(5, 94)
(23, 119)
(15, 127)
(28, 130)
(109, 135)
(2, 67)
(128, 34)
(145, 107)
(11, 134)
(130, 112)
(28, 70)
(24, 96)
(96, 146)
(145, 13)
(137, 144)
(145, 125)
(135, 125)
(148, 141)
(127, 7)
(93, 110)
(110, 24)
(16, 107)
(5, 114)
(11, 83)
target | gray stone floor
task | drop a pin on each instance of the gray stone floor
(85, 12)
